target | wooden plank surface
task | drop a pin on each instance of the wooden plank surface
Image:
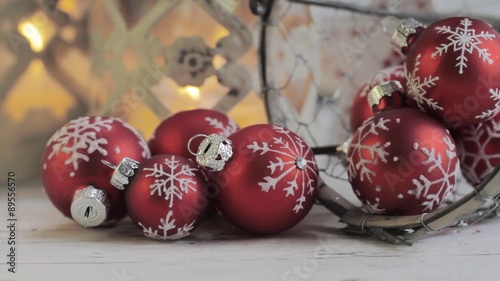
(51, 247)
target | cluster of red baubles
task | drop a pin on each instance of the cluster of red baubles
(405, 154)
(426, 118)
(99, 169)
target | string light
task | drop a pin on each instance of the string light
(191, 91)
(31, 32)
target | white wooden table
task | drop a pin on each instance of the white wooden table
(51, 247)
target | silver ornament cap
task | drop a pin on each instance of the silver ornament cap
(90, 206)
(123, 172)
(213, 152)
(383, 90)
(405, 28)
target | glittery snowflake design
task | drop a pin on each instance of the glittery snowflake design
(495, 96)
(367, 154)
(291, 150)
(79, 139)
(477, 138)
(165, 225)
(464, 40)
(145, 149)
(418, 89)
(173, 183)
(445, 183)
(225, 130)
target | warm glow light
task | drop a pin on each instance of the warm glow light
(36, 90)
(192, 92)
(29, 30)
(69, 7)
(219, 61)
(221, 32)
(144, 119)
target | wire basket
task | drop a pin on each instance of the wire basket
(314, 56)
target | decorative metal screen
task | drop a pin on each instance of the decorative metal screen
(315, 55)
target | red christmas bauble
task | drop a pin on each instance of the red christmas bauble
(479, 149)
(452, 71)
(167, 198)
(173, 134)
(402, 162)
(270, 183)
(73, 160)
(361, 110)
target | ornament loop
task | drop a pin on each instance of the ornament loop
(379, 77)
(191, 140)
(213, 152)
(390, 25)
(107, 163)
(126, 169)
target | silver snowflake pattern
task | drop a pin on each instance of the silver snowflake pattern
(448, 174)
(79, 139)
(376, 151)
(227, 130)
(495, 96)
(418, 89)
(173, 183)
(464, 40)
(165, 225)
(291, 150)
(142, 143)
(477, 138)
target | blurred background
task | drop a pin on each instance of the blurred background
(68, 58)
(144, 60)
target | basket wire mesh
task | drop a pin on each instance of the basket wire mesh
(314, 56)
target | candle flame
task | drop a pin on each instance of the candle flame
(191, 91)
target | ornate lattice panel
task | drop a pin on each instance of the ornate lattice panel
(154, 58)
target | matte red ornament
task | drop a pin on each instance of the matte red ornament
(402, 162)
(167, 198)
(173, 134)
(361, 110)
(452, 71)
(73, 158)
(479, 149)
(270, 183)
